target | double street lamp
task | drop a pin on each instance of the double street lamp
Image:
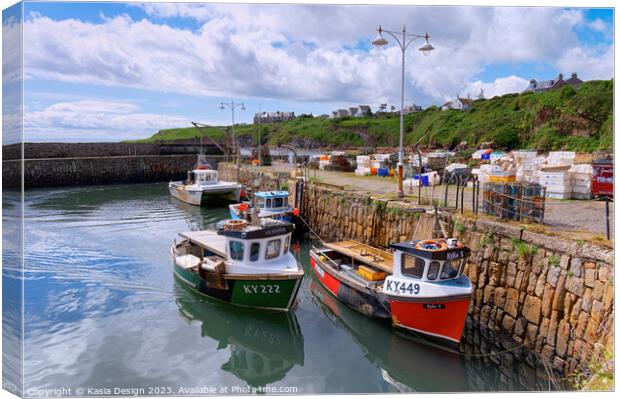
(403, 42)
(232, 107)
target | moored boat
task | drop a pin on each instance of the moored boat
(202, 184)
(242, 263)
(269, 204)
(419, 287)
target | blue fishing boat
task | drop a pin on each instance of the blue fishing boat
(268, 204)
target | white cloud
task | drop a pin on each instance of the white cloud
(94, 121)
(509, 84)
(588, 63)
(232, 53)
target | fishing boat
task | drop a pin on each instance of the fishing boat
(269, 204)
(419, 287)
(242, 263)
(202, 184)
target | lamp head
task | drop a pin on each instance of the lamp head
(242, 106)
(426, 48)
(221, 106)
(379, 40)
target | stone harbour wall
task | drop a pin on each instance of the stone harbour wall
(546, 298)
(102, 170)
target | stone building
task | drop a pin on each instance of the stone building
(270, 117)
(553, 84)
(461, 103)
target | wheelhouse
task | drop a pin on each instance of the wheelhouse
(271, 200)
(205, 176)
(430, 260)
(248, 246)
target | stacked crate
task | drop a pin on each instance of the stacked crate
(582, 181)
(557, 181)
(363, 165)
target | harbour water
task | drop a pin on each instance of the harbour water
(104, 315)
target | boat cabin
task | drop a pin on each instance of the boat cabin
(203, 177)
(430, 260)
(271, 200)
(246, 248)
(257, 245)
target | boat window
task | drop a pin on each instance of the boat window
(450, 269)
(286, 244)
(273, 249)
(254, 251)
(285, 201)
(433, 271)
(236, 250)
(412, 266)
(277, 202)
(269, 203)
(260, 203)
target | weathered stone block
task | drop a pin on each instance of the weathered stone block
(598, 291)
(500, 297)
(586, 303)
(590, 277)
(520, 326)
(562, 337)
(508, 323)
(532, 309)
(575, 266)
(575, 285)
(609, 295)
(597, 311)
(582, 322)
(560, 292)
(519, 279)
(564, 261)
(512, 302)
(553, 275)
(547, 300)
(604, 273)
(540, 286)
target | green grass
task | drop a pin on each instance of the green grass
(565, 119)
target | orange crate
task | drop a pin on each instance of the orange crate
(502, 179)
(370, 274)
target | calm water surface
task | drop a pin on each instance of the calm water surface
(103, 310)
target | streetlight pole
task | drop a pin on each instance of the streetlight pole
(403, 44)
(232, 107)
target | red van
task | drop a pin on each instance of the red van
(603, 178)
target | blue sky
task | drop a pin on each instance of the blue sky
(111, 71)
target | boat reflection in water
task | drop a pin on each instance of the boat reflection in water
(408, 362)
(264, 346)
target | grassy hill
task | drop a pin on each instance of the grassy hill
(579, 120)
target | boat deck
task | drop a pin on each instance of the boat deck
(207, 239)
(377, 258)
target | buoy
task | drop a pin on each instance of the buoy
(296, 212)
(243, 207)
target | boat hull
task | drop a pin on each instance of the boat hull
(272, 292)
(441, 318)
(363, 302)
(199, 197)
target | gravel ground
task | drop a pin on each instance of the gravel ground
(582, 219)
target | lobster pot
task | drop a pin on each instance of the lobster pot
(514, 201)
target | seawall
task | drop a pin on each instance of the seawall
(549, 297)
(48, 172)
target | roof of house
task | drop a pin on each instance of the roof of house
(466, 100)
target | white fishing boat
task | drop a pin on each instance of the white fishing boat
(202, 184)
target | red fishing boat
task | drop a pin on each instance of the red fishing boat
(419, 287)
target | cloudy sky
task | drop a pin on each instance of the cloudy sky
(111, 71)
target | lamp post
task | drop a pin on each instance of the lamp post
(232, 107)
(403, 43)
